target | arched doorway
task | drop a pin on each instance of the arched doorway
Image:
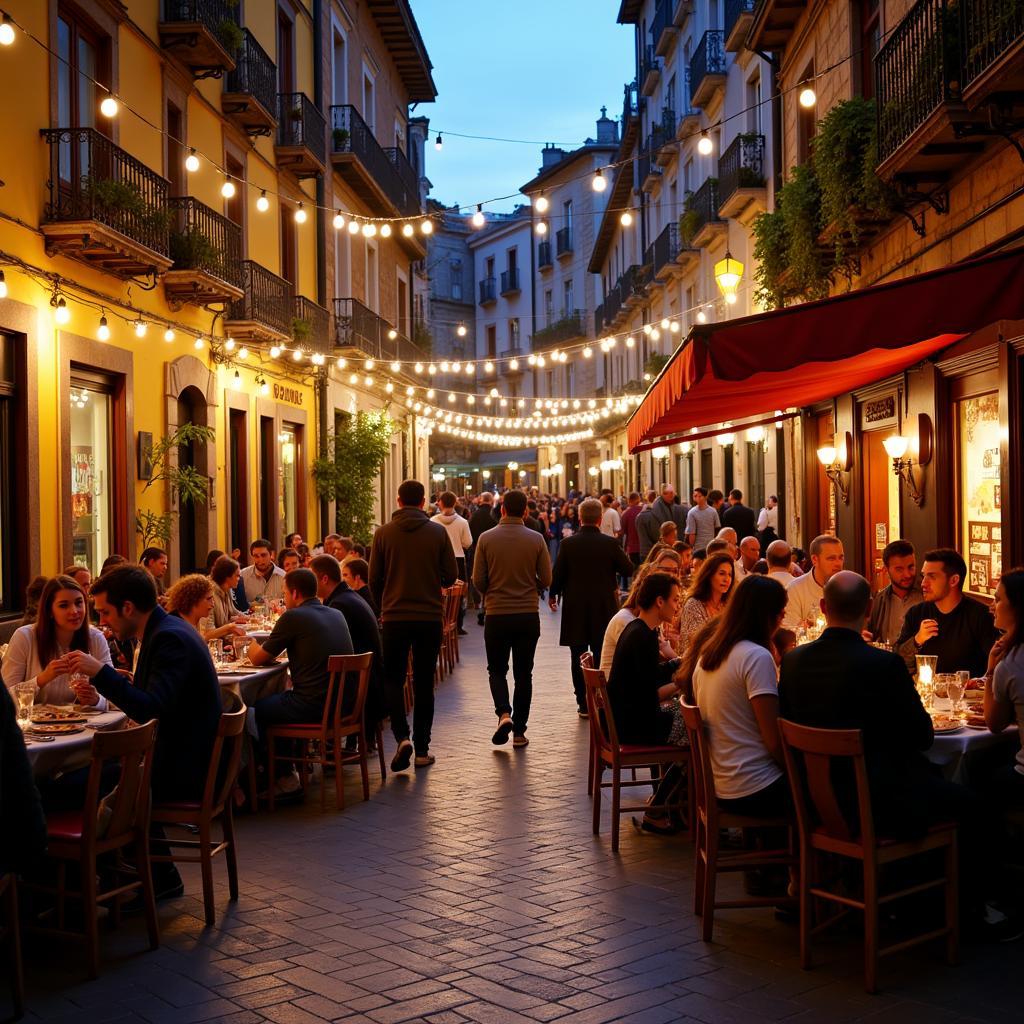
(191, 409)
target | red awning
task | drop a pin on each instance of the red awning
(803, 354)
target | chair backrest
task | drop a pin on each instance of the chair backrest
(343, 667)
(600, 711)
(226, 755)
(586, 660)
(812, 757)
(451, 599)
(129, 802)
(700, 764)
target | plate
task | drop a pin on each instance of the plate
(49, 715)
(942, 725)
(56, 728)
(91, 711)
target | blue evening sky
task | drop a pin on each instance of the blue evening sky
(533, 69)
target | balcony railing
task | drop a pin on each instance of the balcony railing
(650, 70)
(563, 241)
(488, 291)
(913, 72)
(708, 59)
(569, 326)
(201, 33)
(202, 239)
(357, 326)
(664, 249)
(299, 123)
(646, 159)
(989, 29)
(543, 255)
(388, 168)
(311, 326)
(735, 10)
(741, 166)
(92, 179)
(612, 303)
(631, 283)
(630, 103)
(663, 23)
(599, 320)
(268, 300)
(701, 210)
(254, 75)
(510, 281)
(209, 13)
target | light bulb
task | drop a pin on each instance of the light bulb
(456, 367)
(478, 218)
(808, 97)
(704, 144)
(702, 317)
(438, 144)
(353, 378)
(385, 231)
(396, 366)
(541, 203)
(169, 335)
(625, 218)
(297, 355)
(192, 162)
(630, 341)
(62, 314)
(227, 190)
(418, 367)
(392, 334)
(461, 330)
(407, 230)
(389, 387)
(103, 331)
(489, 368)
(140, 328)
(513, 364)
(6, 32)
(108, 108)
(451, 396)
(368, 381)
(731, 298)
(229, 345)
(599, 182)
(470, 369)
(300, 214)
(275, 351)
(339, 221)
(587, 352)
(369, 230)
(198, 344)
(674, 326)
(432, 369)
(542, 227)
(427, 227)
(353, 227)
(342, 363)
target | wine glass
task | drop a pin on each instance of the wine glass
(76, 679)
(25, 694)
(955, 691)
(941, 686)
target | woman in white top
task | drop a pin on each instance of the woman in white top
(736, 689)
(38, 653)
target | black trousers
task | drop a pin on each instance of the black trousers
(576, 651)
(424, 640)
(514, 635)
(464, 576)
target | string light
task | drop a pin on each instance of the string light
(542, 227)
(198, 344)
(704, 144)
(599, 182)
(461, 330)
(229, 345)
(6, 32)
(169, 335)
(275, 351)
(62, 314)
(808, 97)
(243, 353)
(192, 163)
(438, 144)
(396, 366)
(625, 218)
(353, 227)
(263, 203)
(342, 362)
(541, 204)
(108, 107)
(407, 230)
(702, 317)
(300, 214)
(427, 227)
(479, 220)
(385, 231)
(227, 190)
(103, 331)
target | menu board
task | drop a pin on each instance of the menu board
(981, 493)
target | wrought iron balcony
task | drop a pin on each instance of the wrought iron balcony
(356, 326)
(630, 103)
(599, 320)
(266, 309)
(632, 285)
(544, 255)
(563, 242)
(488, 291)
(207, 251)
(105, 208)
(650, 71)
(663, 27)
(202, 34)
(740, 170)
(568, 326)
(648, 171)
(510, 281)
(992, 34)
(612, 304)
(700, 222)
(381, 178)
(707, 68)
(311, 326)
(662, 253)
(250, 89)
(663, 135)
(301, 145)
(739, 15)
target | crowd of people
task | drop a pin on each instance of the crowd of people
(704, 602)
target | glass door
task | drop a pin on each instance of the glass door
(287, 463)
(90, 483)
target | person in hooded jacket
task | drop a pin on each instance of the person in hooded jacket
(411, 560)
(460, 536)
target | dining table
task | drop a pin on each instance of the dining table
(57, 755)
(954, 751)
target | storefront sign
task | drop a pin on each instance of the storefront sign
(879, 410)
(284, 393)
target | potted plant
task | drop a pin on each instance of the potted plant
(229, 35)
(340, 136)
(192, 250)
(301, 329)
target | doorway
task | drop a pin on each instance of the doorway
(880, 515)
(191, 409)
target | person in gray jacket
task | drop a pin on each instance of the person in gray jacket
(511, 566)
(663, 510)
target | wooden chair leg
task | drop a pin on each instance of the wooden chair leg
(228, 824)
(616, 799)
(206, 864)
(17, 970)
(598, 778)
(590, 767)
(90, 915)
(339, 778)
(364, 763)
(952, 904)
(870, 925)
(699, 851)
(710, 885)
(806, 870)
(145, 869)
(380, 753)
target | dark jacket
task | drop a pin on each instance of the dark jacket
(585, 577)
(365, 633)
(22, 823)
(965, 637)
(841, 682)
(175, 683)
(742, 519)
(481, 521)
(648, 523)
(410, 561)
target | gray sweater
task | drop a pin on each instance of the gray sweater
(510, 566)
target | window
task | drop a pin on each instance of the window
(267, 444)
(806, 120)
(285, 52)
(489, 267)
(513, 332)
(369, 100)
(492, 341)
(568, 298)
(754, 103)
(403, 307)
(339, 69)
(567, 216)
(512, 257)
(289, 250)
(754, 484)
(234, 207)
(372, 278)
(455, 273)
(870, 40)
(238, 467)
(92, 511)
(288, 461)
(83, 55)
(549, 307)
(980, 491)
(570, 379)
(175, 155)
(12, 486)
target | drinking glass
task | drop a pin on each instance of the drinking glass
(25, 694)
(215, 653)
(955, 690)
(76, 679)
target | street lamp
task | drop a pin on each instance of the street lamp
(728, 274)
(837, 462)
(897, 446)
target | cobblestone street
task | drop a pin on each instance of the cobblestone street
(474, 890)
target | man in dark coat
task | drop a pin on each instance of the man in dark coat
(739, 516)
(22, 823)
(585, 576)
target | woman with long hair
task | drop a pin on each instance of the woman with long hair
(225, 575)
(736, 687)
(1004, 679)
(707, 595)
(192, 598)
(38, 653)
(570, 520)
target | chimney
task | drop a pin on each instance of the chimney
(550, 155)
(607, 129)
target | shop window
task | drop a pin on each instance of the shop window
(288, 460)
(92, 508)
(980, 491)
(238, 457)
(267, 496)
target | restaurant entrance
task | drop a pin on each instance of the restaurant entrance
(880, 515)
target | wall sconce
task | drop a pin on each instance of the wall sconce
(837, 463)
(659, 453)
(898, 445)
(758, 435)
(725, 439)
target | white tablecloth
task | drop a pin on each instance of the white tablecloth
(952, 750)
(67, 753)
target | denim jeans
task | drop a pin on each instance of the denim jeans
(424, 640)
(516, 635)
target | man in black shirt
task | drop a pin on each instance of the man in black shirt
(311, 633)
(959, 631)
(741, 518)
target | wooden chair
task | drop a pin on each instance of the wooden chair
(610, 754)
(75, 837)
(814, 757)
(709, 860)
(10, 932)
(587, 661)
(449, 654)
(215, 806)
(331, 730)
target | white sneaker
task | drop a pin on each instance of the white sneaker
(288, 784)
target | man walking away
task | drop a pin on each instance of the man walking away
(510, 566)
(629, 528)
(584, 577)
(663, 510)
(410, 562)
(739, 516)
(479, 522)
(462, 540)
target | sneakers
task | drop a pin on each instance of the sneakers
(286, 785)
(403, 755)
(504, 730)
(422, 760)
(520, 741)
